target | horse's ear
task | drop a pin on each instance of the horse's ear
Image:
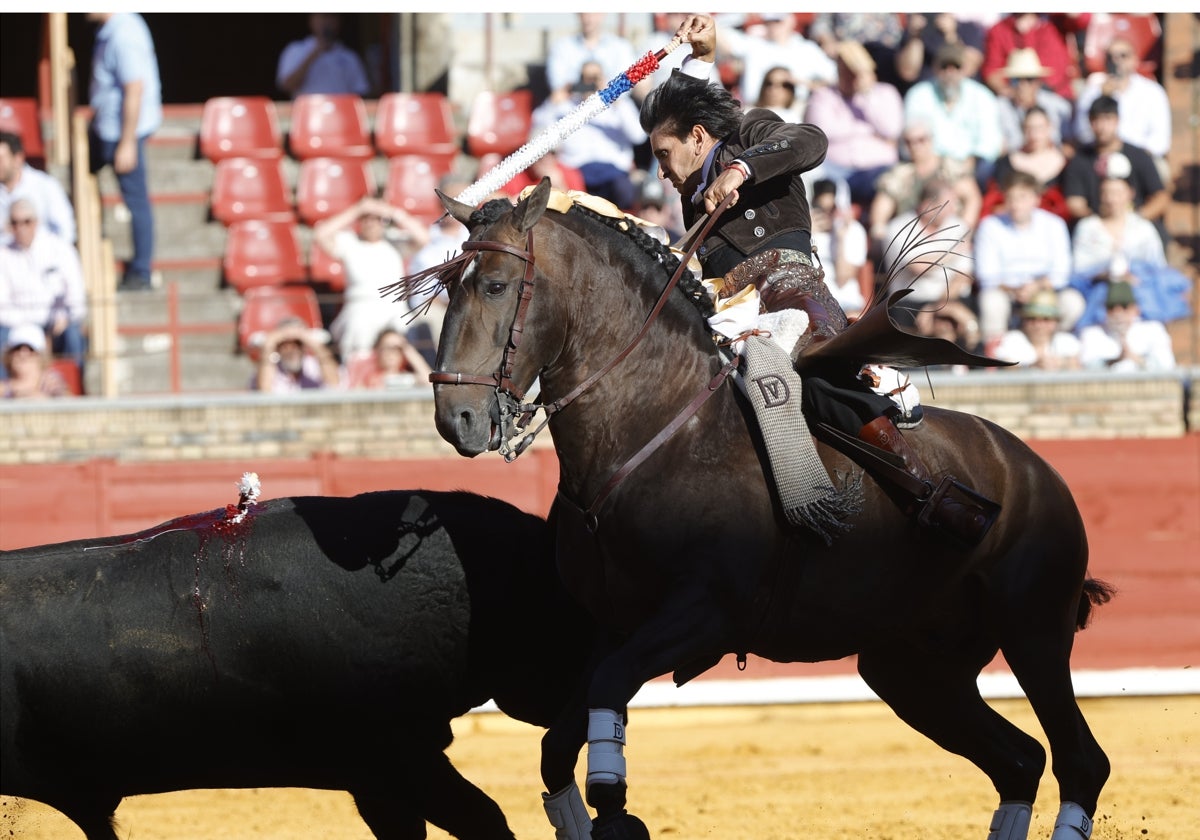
(454, 207)
(531, 208)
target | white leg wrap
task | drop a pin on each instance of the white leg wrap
(568, 814)
(606, 743)
(1011, 821)
(1073, 823)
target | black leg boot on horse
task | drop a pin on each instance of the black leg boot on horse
(946, 505)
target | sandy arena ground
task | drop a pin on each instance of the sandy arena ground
(823, 772)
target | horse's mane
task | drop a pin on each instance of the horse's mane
(643, 247)
(657, 252)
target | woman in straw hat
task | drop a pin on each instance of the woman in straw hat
(1026, 30)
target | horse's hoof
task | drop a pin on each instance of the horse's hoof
(607, 796)
(620, 826)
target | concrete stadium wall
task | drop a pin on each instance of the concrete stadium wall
(398, 425)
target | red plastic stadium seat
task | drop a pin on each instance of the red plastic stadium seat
(324, 269)
(259, 253)
(20, 117)
(240, 126)
(410, 186)
(265, 306)
(244, 188)
(329, 185)
(499, 122)
(69, 371)
(416, 123)
(330, 125)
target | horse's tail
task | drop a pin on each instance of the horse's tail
(1095, 593)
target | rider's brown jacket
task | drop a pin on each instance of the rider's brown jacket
(773, 202)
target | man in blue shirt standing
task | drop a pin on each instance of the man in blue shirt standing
(126, 100)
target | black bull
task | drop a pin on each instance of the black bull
(321, 642)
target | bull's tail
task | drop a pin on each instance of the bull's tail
(1095, 593)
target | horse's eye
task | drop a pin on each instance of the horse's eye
(495, 288)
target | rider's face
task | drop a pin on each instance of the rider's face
(679, 161)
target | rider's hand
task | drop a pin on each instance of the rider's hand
(727, 182)
(701, 32)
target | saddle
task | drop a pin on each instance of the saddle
(789, 280)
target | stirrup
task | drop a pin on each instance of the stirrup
(958, 512)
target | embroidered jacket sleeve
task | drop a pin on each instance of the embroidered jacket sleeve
(775, 148)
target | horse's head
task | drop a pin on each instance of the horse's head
(486, 357)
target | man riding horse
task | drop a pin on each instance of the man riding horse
(708, 148)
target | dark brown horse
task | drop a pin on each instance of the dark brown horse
(686, 556)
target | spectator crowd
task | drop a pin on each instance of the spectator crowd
(975, 157)
(994, 170)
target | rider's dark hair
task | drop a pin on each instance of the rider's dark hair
(682, 102)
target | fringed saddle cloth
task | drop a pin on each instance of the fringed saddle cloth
(793, 307)
(788, 282)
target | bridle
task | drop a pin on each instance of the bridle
(516, 415)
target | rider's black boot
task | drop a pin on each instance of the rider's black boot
(952, 512)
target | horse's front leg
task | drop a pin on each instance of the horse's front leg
(561, 745)
(689, 627)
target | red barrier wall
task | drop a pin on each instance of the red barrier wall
(1140, 501)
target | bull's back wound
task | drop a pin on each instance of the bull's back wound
(232, 525)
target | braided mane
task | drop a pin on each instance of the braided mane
(662, 256)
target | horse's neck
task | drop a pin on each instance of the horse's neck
(638, 397)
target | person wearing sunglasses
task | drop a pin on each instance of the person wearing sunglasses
(1125, 341)
(41, 282)
(393, 363)
(1144, 108)
(863, 118)
(899, 189)
(1039, 342)
(1026, 31)
(778, 93)
(963, 113)
(18, 179)
(776, 41)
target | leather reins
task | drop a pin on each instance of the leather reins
(509, 395)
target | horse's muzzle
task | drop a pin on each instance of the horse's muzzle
(470, 427)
